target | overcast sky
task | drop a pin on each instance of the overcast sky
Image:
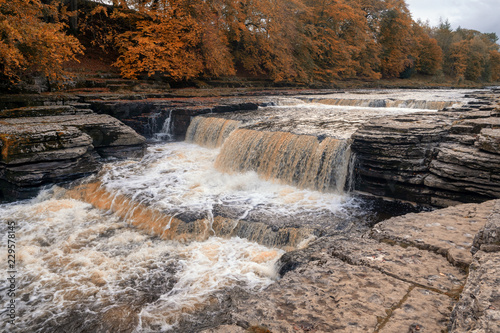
(481, 15)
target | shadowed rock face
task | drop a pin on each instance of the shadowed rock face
(440, 159)
(478, 309)
(38, 149)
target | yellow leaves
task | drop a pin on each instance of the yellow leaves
(495, 65)
(164, 45)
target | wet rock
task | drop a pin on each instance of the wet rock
(27, 100)
(422, 311)
(39, 111)
(324, 295)
(43, 149)
(345, 285)
(142, 115)
(449, 232)
(409, 264)
(489, 140)
(225, 329)
(478, 309)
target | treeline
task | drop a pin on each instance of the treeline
(293, 40)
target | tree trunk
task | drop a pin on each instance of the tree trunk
(73, 21)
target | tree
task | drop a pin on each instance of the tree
(395, 38)
(32, 40)
(495, 65)
(428, 54)
(164, 41)
(339, 40)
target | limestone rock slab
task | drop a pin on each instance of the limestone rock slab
(409, 264)
(422, 311)
(478, 309)
(488, 238)
(449, 232)
(489, 140)
(323, 295)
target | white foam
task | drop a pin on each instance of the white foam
(75, 259)
(180, 177)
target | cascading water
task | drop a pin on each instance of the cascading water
(147, 244)
(166, 131)
(210, 132)
(300, 160)
(81, 269)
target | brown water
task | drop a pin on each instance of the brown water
(150, 243)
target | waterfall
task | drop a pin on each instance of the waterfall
(210, 132)
(166, 132)
(168, 227)
(302, 160)
(386, 103)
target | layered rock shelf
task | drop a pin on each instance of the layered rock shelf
(438, 159)
(51, 144)
(408, 274)
(435, 271)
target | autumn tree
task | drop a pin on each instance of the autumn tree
(33, 41)
(495, 65)
(264, 38)
(428, 56)
(164, 41)
(339, 40)
(395, 38)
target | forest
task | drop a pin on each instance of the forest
(301, 41)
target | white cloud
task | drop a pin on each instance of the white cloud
(482, 15)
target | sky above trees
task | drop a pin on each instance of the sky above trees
(481, 15)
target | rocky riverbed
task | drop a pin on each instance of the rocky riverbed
(434, 271)
(408, 274)
(438, 159)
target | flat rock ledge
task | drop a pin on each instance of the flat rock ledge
(52, 144)
(413, 273)
(436, 159)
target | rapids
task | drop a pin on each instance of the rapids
(148, 244)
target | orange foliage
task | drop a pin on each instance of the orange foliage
(32, 40)
(339, 40)
(428, 54)
(165, 42)
(395, 38)
(296, 40)
(495, 65)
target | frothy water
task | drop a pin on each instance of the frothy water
(81, 269)
(166, 131)
(148, 243)
(181, 179)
